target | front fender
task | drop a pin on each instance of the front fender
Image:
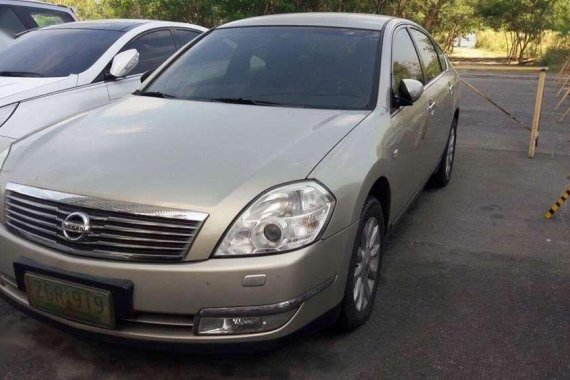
(352, 167)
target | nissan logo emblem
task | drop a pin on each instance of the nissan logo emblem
(76, 226)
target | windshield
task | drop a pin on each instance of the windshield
(311, 67)
(56, 52)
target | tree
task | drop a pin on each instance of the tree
(446, 19)
(524, 20)
(89, 9)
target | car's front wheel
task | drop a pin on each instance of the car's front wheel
(364, 270)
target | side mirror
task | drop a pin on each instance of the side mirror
(409, 91)
(146, 75)
(124, 63)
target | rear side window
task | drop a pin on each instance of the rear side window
(441, 56)
(34, 17)
(183, 36)
(46, 18)
(405, 61)
(154, 48)
(428, 55)
(9, 21)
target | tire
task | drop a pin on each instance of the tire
(354, 309)
(442, 176)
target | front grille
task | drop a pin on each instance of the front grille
(118, 230)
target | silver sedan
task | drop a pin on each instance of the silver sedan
(244, 191)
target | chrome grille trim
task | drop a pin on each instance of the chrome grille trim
(106, 205)
(123, 231)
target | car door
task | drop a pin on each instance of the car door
(436, 90)
(154, 47)
(409, 123)
(450, 81)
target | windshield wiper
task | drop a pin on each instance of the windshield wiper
(20, 74)
(156, 94)
(249, 101)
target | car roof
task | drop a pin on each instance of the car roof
(122, 25)
(116, 25)
(338, 20)
(35, 3)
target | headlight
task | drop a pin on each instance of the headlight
(6, 112)
(285, 218)
(3, 156)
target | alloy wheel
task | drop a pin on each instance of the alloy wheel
(367, 263)
(450, 153)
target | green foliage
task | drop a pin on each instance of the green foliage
(89, 9)
(525, 20)
(555, 56)
(561, 21)
(489, 39)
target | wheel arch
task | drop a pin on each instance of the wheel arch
(382, 192)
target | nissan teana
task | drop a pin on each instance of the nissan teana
(243, 192)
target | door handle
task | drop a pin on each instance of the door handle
(431, 107)
(450, 88)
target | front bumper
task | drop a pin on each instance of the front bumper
(169, 298)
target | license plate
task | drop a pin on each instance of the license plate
(72, 301)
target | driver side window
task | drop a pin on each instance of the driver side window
(405, 61)
(154, 48)
(429, 56)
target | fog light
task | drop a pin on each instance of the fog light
(228, 325)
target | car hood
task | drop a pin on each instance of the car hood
(208, 157)
(14, 90)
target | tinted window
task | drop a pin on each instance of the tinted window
(441, 57)
(154, 48)
(405, 61)
(184, 36)
(57, 52)
(428, 54)
(43, 17)
(289, 66)
(9, 22)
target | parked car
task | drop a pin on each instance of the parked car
(5, 40)
(242, 192)
(17, 16)
(53, 73)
